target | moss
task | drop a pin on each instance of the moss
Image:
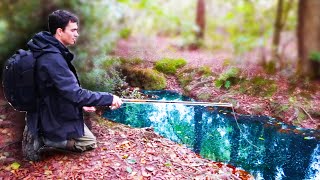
(258, 86)
(228, 78)
(203, 95)
(205, 71)
(169, 66)
(147, 79)
(133, 61)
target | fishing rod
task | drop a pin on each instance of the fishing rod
(145, 101)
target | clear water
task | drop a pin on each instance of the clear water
(266, 148)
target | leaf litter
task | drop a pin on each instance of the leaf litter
(140, 154)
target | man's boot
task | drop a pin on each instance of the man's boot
(31, 145)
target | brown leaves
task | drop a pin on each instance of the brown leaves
(124, 153)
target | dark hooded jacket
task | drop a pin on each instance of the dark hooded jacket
(59, 115)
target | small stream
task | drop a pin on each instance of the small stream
(261, 145)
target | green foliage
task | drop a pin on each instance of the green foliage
(315, 56)
(205, 71)
(228, 78)
(147, 79)
(125, 33)
(104, 76)
(169, 66)
(133, 61)
(258, 86)
(20, 20)
(100, 28)
(3, 29)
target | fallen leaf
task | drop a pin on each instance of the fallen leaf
(145, 174)
(167, 164)
(142, 161)
(15, 166)
(125, 156)
(150, 168)
(117, 164)
(129, 170)
(4, 131)
(47, 172)
(131, 161)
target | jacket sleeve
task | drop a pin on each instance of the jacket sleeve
(67, 85)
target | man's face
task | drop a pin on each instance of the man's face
(70, 34)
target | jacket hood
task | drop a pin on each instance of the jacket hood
(45, 42)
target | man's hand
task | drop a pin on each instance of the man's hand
(89, 109)
(116, 102)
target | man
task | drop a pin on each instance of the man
(58, 121)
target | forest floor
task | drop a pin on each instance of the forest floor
(295, 102)
(123, 153)
(133, 153)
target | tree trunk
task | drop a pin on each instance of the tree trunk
(200, 18)
(277, 30)
(308, 32)
(281, 18)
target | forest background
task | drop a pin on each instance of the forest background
(268, 50)
(263, 56)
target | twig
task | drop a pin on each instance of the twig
(306, 112)
(9, 144)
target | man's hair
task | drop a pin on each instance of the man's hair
(60, 19)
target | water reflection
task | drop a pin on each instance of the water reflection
(260, 145)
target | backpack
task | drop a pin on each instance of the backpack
(18, 81)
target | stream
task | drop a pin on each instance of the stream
(262, 146)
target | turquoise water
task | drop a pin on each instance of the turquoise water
(266, 148)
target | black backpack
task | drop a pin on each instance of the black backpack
(18, 81)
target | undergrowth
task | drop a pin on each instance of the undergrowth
(169, 66)
(228, 78)
(258, 86)
(104, 76)
(147, 79)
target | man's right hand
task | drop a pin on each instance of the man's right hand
(116, 102)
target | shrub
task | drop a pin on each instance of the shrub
(228, 78)
(169, 66)
(104, 76)
(147, 79)
(258, 86)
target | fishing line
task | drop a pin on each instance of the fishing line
(235, 118)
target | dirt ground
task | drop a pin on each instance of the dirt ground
(151, 49)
